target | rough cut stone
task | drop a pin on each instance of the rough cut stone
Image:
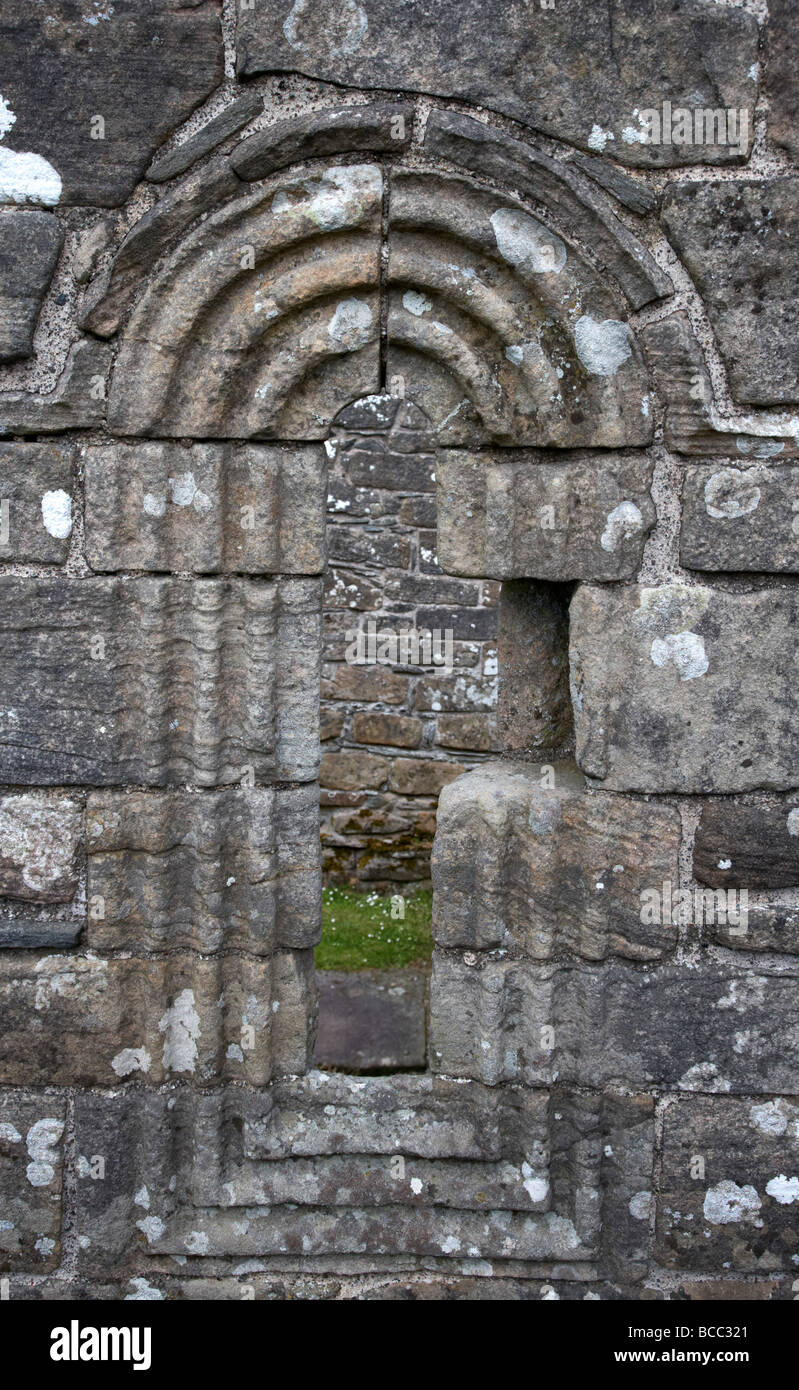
(39, 842)
(637, 196)
(143, 66)
(685, 689)
(30, 243)
(78, 401)
(500, 1020)
(738, 845)
(112, 293)
(36, 487)
(568, 70)
(740, 241)
(226, 870)
(264, 321)
(780, 80)
(31, 1164)
(384, 128)
(158, 681)
(527, 857)
(574, 201)
(371, 1019)
(499, 330)
(254, 510)
(524, 517)
(80, 1019)
(741, 518)
(729, 1185)
(229, 122)
(533, 709)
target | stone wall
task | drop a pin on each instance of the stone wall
(217, 237)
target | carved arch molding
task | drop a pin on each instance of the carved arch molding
(240, 336)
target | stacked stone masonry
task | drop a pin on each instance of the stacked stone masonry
(317, 314)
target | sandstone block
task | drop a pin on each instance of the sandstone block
(783, 125)
(700, 695)
(422, 776)
(351, 770)
(30, 243)
(377, 128)
(739, 845)
(740, 518)
(78, 401)
(395, 730)
(158, 681)
(255, 509)
(523, 518)
(40, 840)
(220, 128)
(36, 483)
(31, 1163)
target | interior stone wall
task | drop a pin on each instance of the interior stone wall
(211, 222)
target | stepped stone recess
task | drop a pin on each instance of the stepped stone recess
(295, 355)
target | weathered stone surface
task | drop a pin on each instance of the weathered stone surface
(681, 706)
(31, 1162)
(470, 732)
(264, 321)
(528, 858)
(81, 1019)
(36, 486)
(396, 730)
(501, 329)
(377, 128)
(739, 240)
(30, 243)
(780, 84)
(573, 200)
(158, 681)
(741, 518)
(143, 66)
(533, 709)
(367, 683)
(78, 401)
(764, 926)
(228, 870)
(113, 292)
(371, 1019)
(637, 196)
(740, 845)
(255, 510)
(524, 517)
(567, 71)
(422, 776)
(39, 841)
(729, 1187)
(229, 122)
(499, 1020)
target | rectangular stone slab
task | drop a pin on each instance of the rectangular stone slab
(36, 498)
(741, 518)
(158, 681)
(686, 689)
(204, 871)
(31, 1158)
(211, 508)
(516, 516)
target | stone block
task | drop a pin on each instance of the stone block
(158, 681)
(30, 243)
(220, 871)
(376, 128)
(743, 845)
(474, 733)
(729, 1185)
(78, 401)
(79, 1019)
(31, 1164)
(525, 518)
(533, 709)
(528, 858)
(395, 730)
(220, 128)
(366, 684)
(422, 776)
(740, 518)
(258, 509)
(71, 65)
(737, 238)
(558, 70)
(40, 841)
(352, 770)
(456, 694)
(700, 694)
(36, 485)
(783, 120)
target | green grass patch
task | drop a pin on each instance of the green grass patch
(360, 933)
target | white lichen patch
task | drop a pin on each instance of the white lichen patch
(775, 1118)
(143, 1292)
(7, 118)
(341, 24)
(703, 1076)
(727, 1203)
(152, 1227)
(57, 513)
(603, 346)
(9, 1135)
(623, 522)
(416, 303)
(40, 1141)
(686, 650)
(25, 177)
(598, 137)
(526, 244)
(351, 324)
(197, 1243)
(640, 1206)
(730, 493)
(181, 1026)
(186, 493)
(793, 821)
(40, 838)
(784, 1190)
(131, 1059)
(154, 504)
